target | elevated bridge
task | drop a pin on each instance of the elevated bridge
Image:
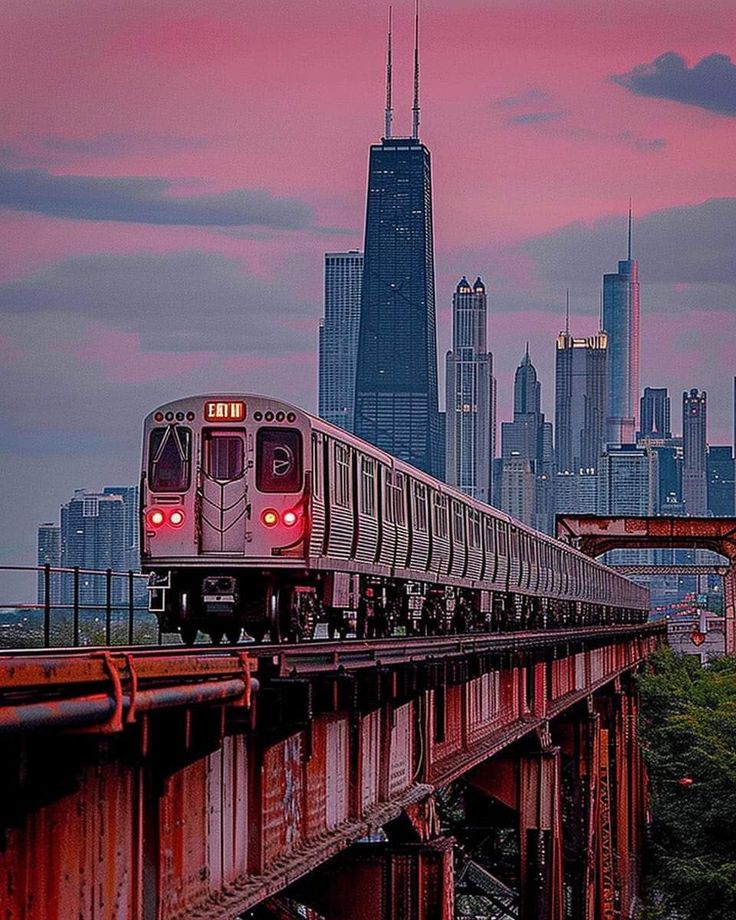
(160, 783)
(597, 535)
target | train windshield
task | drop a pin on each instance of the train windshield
(278, 460)
(169, 459)
(225, 455)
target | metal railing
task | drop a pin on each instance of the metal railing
(76, 607)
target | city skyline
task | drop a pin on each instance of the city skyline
(143, 162)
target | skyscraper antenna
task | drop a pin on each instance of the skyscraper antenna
(567, 312)
(628, 248)
(389, 109)
(415, 110)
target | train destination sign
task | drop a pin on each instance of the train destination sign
(224, 411)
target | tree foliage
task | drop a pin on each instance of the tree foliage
(688, 733)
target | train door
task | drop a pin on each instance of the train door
(223, 491)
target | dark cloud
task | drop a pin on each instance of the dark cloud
(184, 301)
(39, 150)
(145, 201)
(532, 96)
(683, 245)
(710, 84)
(533, 118)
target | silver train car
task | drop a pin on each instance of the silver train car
(257, 516)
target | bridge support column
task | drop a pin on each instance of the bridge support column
(540, 835)
(384, 881)
(729, 597)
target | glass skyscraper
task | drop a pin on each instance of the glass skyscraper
(396, 381)
(338, 337)
(694, 427)
(581, 401)
(470, 419)
(621, 322)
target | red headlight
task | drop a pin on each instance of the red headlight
(156, 517)
(290, 518)
(270, 517)
(176, 518)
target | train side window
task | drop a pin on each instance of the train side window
(169, 459)
(419, 509)
(388, 497)
(503, 549)
(367, 486)
(439, 515)
(399, 509)
(474, 527)
(490, 535)
(224, 455)
(342, 475)
(316, 467)
(457, 522)
(278, 460)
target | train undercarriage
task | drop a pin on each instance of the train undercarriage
(287, 607)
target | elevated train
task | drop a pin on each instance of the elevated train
(258, 516)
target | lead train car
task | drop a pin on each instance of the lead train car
(256, 515)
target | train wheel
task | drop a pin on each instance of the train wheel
(216, 636)
(233, 634)
(188, 634)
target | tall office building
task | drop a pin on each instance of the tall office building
(581, 391)
(694, 427)
(621, 322)
(93, 536)
(396, 404)
(470, 419)
(627, 480)
(130, 496)
(654, 414)
(720, 478)
(338, 337)
(49, 553)
(529, 437)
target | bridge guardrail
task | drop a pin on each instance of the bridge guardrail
(77, 607)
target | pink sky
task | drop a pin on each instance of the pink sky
(528, 133)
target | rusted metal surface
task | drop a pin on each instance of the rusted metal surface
(208, 822)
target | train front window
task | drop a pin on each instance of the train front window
(169, 459)
(225, 455)
(278, 460)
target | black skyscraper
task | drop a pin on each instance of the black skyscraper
(396, 381)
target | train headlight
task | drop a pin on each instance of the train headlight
(156, 517)
(290, 518)
(270, 517)
(176, 518)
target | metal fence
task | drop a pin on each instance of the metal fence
(75, 607)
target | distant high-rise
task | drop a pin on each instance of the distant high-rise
(529, 437)
(396, 404)
(129, 495)
(338, 337)
(93, 536)
(621, 322)
(471, 395)
(49, 553)
(654, 414)
(581, 390)
(720, 477)
(694, 446)
(627, 480)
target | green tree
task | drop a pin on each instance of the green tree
(688, 732)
